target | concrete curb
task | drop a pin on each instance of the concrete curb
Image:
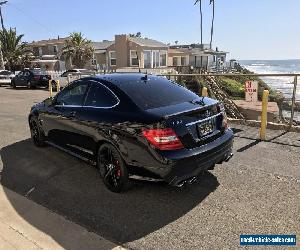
(270, 125)
(19, 218)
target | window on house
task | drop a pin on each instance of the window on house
(112, 58)
(40, 51)
(134, 59)
(94, 61)
(183, 61)
(176, 61)
(163, 58)
(55, 49)
(147, 59)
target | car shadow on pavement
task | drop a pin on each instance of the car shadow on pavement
(26, 88)
(74, 190)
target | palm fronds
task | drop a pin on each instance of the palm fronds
(78, 49)
(13, 48)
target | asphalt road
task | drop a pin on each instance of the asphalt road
(257, 192)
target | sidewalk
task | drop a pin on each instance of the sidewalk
(17, 233)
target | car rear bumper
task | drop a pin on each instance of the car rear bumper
(185, 164)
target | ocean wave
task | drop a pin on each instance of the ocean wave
(258, 64)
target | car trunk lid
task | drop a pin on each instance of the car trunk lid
(195, 123)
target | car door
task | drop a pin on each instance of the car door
(26, 77)
(19, 79)
(60, 121)
(96, 116)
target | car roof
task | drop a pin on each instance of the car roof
(119, 78)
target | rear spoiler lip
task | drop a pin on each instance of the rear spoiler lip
(190, 110)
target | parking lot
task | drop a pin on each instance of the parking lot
(257, 192)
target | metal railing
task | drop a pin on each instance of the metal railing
(292, 75)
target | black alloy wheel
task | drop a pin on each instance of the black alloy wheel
(29, 85)
(112, 168)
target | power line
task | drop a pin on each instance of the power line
(33, 19)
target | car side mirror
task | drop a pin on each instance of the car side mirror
(49, 101)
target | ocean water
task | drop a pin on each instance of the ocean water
(283, 84)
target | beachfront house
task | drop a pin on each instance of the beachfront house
(130, 53)
(134, 53)
(47, 54)
(197, 56)
(124, 52)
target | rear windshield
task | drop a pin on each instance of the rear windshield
(156, 92)
(38, 72)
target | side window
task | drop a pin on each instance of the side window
(65, 74)
(101, 97)
(69, 72)
(73, 95)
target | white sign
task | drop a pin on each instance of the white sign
(251, 93)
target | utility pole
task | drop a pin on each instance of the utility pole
(3, 29)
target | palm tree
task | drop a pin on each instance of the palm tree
(201, 18)
(13, 49)
(212, 23)
(78, 50)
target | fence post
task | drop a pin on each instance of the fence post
(204, 92)
(57, 86)
(293, 101)
(50, 87)
(264, 115)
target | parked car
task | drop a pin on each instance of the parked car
(73, 74)
(5, 77)
(135, 126)
(31, 78)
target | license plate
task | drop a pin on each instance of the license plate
(205, 128)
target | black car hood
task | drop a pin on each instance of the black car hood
(182, 108)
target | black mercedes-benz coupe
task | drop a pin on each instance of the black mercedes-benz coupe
(135, 126)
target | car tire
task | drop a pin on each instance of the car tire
(30, 85)
(37, 134)
(212, 167)
(13, 84)
(112, 168)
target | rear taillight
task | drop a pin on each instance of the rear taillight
(221, 109)
(225, 122)
(163, 139)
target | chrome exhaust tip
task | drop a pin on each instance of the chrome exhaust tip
(188, 181)
(192, 180)
(181, 184)
(229, 157)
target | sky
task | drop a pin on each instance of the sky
(248, 29)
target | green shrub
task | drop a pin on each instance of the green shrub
(232, 87)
